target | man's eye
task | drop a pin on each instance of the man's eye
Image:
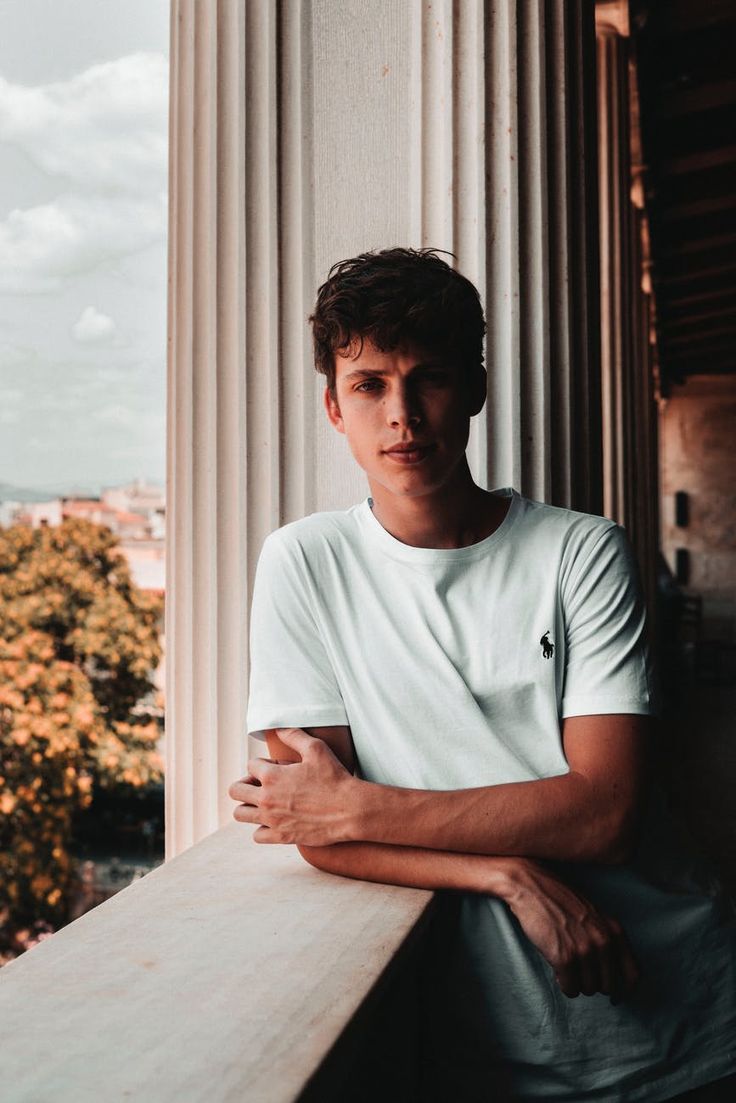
(433, 377)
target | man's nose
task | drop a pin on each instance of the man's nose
(403, 407)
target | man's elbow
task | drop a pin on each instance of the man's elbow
(616, 852)
(614, 837)
(317, 856)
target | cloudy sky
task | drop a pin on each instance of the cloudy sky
(83, 165)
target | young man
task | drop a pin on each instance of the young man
(461, 680)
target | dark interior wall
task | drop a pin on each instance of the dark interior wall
(698, 456)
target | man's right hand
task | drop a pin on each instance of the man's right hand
(587, 950)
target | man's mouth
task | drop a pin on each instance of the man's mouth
(410, 455)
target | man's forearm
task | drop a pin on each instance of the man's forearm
(588, 814)
(561, 817)
(415, 867)
(586, 949)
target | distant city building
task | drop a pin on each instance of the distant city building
(9, 513)
(89, 509)
(147, 562)
(30, 513)
(135, 513)
(137, 497)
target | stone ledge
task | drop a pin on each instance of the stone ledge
(230, 972)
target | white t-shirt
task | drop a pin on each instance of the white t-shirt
(453, 669)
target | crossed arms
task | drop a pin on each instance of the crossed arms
(478, 840)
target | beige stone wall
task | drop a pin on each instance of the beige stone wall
(698, 455)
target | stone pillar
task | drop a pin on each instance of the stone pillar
(503, 174)
(212, 521)
(628, 370)
(303, 132)
(614, 176)
(541, 252)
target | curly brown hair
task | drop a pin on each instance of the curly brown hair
(397, 297)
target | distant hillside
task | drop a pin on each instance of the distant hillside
(10, 493)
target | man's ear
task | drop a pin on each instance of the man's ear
(333, 410)
(477, 390)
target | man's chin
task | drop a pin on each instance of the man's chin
(400, 490)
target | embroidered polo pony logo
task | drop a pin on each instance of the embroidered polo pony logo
(548, 648)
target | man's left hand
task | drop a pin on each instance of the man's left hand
(308, 802)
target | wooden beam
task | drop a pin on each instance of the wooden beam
(698, 336)
(688, 101)
(696, 162)
(698, 245)
(695, 275)
(697, 207)
(668, 323)
(674, 305)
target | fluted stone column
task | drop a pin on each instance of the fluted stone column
(617, 284)
(303, 132)
(211, 517)
(541, 242)
(630, 449)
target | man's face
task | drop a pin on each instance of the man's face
(410, 394)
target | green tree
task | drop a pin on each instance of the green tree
(78, 644)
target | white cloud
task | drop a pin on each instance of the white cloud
(115, 414)
(41, 246)
(93, 326)
(103, 133)
(105, 128)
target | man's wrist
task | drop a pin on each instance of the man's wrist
(506, 877)
(355, 812)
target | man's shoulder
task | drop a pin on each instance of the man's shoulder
(308, 535)
(572, 527)
(576, 547)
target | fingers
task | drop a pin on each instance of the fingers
(602, 962)
(603, 971)
(610, 972)
(609, 968)
(619, 972)
(247, 813)
(590, 976)
(296, 738)
(568, 978)
(245, 789)
(263, 834)
(258, 768)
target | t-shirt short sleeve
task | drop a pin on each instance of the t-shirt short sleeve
(608, 667)
(292, 682)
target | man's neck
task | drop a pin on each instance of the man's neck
(452, 517)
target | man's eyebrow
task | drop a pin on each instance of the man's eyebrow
(432, 365)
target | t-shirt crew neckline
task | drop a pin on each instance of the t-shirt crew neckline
(409, 553)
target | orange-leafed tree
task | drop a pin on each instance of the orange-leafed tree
(78, 644)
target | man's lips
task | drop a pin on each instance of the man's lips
(411, 446)
(414, 454)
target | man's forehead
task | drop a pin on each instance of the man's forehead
(370, 358)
